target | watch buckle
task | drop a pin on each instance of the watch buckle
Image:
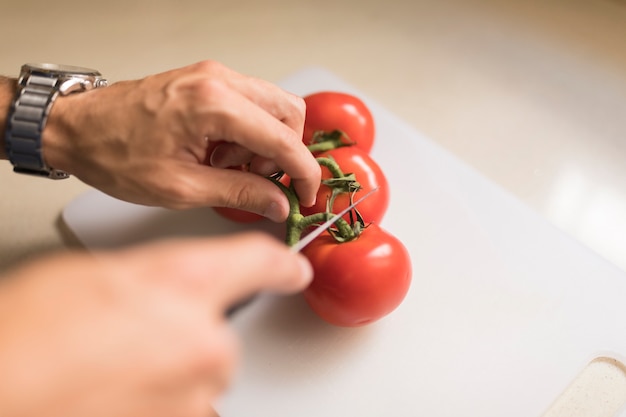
(53, 174)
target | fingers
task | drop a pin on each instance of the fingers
(199, 185)
(225, 270)
(269, 266)
(284, 106)
(250, 126)
(225, 155)
(259, 116)
(231, 155)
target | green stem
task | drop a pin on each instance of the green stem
(342, 229)
(325, 141)
(342, 226)
(321, 147)
(297, 223)
(294, 219)
(292, 197)
(332, 166)
(345, 231)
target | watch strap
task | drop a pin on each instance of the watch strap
(28, 117)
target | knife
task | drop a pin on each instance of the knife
(324, 226)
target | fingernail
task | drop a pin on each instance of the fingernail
(274, 212)
(306, 270)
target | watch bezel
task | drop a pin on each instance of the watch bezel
(56, 69)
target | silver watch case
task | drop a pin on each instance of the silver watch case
(39, 85)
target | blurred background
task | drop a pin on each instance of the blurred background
(530, 93)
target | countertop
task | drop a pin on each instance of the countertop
(532, 94)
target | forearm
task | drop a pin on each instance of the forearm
(7, 92)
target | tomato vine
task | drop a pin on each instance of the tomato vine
(297, 223)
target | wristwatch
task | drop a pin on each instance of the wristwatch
(39, 86)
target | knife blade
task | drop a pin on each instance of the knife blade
(328, 223)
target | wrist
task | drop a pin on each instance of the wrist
(8, 88)
(58, 137)
(39, 88)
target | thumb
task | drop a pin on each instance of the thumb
(218, 187)
(256, 262)
(223, 270)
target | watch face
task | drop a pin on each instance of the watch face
(59, 69)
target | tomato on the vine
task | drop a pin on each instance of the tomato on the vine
(368, 174)
(329, 110)
(360, 281)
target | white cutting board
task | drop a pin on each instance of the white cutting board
(503, 313)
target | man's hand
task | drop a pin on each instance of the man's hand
(132, 333)
(164, 140)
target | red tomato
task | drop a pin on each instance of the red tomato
(354, 160)
(360, 281)
(329, 110)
